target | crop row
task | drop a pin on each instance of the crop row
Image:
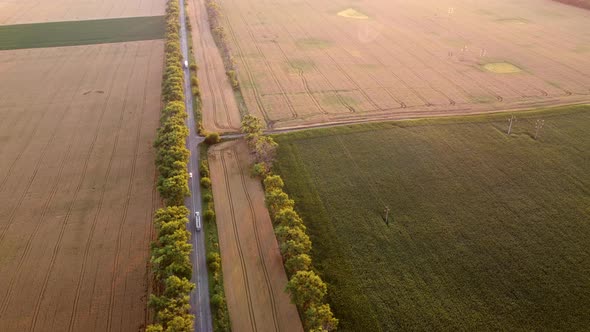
(306, 288)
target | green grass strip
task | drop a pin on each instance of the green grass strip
(72, 33)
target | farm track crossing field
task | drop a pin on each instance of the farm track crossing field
(312, 62)
(34, 11)
(487, 232)
(56, 34)
(77, 185)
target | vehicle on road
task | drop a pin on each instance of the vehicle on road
(185, 64)
(197, 221)
(190, 175)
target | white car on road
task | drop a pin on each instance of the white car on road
(197, 221)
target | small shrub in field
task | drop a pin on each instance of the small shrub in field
(194, 81)
(212, 138)
(233, 78)
(206, 182)
(207, 198)
(259, 169)
(204, 169)
(194, 67)
(209, 214)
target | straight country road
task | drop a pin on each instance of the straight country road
(199, 298)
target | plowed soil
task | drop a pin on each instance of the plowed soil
(77, 185)
(302, 63)
(252, 265)
(33, 11)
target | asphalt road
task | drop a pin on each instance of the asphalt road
(199, 298)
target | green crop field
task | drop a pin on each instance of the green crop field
(486, 231)
(71, 33)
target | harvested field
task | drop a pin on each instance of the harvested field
(55, 34)
(219, 107)
(487, 232)
(252, 265)
(33, 11)
(77, 185)
(384, 59)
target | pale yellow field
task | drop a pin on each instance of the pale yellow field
(32, 11)
(77, 185)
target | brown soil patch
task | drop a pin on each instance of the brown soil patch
(77, 185)
(220, 110)
(33, 11)
(578, 3)
(400, 63)
(253, 271)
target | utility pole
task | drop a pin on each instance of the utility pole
(538, 126)
(387, 215)
(511, 121)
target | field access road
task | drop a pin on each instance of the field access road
(199, 300)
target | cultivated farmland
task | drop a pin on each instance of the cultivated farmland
(486, 231)
(253, 272)
(70, 33)
(312, 62)
(33, 11)
(77, 185)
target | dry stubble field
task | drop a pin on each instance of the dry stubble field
(220, 110)
(34, 11)
(77, 185)
(252, 265)
(301, 63)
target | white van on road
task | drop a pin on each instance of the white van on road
(197, 221)
(185, 64)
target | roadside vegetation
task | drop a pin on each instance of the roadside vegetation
(54, 34)
(195, 85)
(221, 321)
(170, 252)
(306, 288)
(447, 224)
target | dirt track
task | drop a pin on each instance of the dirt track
(220, 110)
(77, 185)
(253, 270)
(300, 63)
(33, 11)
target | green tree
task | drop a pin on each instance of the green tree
(272, 182)
(206, 182)
(295, 247)
(277, 200)
(212, 138)
(287, 217)
(306, 289)
(320, 318)
(301, 262)
(154, 328)
(252, 127)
